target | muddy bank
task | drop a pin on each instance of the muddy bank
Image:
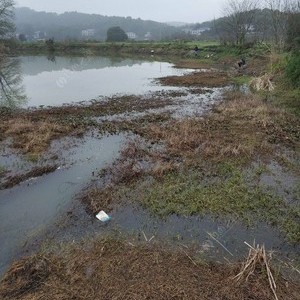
(125, 270)
(36, 172)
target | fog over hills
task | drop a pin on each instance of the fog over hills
(74, 25)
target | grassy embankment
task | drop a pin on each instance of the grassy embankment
(116, 48)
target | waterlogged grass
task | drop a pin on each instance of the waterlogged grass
(231, 196)
(241, 80)
(2, 170)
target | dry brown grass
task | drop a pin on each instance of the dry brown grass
(110, 269)
(203, 79)
(263, 83)
(131, 163)
(259, 259)
(192, 64)
(161, 168)
(100, 199)
(138, 159)
(33, 130)
(32, 136)
(241, 127)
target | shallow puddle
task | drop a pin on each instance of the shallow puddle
(28, 209)
(215, 239)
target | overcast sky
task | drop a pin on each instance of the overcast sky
(157, 10)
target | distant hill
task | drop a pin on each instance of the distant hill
(74, 25)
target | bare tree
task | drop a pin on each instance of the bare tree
(239, 17)
(280, 13)
(12, 91)
(293, 26)
(6, 17)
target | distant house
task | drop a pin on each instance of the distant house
(148, 36)
(250, 27)
(131, 35)
(39, 35)
(87, 33)
(197, 32)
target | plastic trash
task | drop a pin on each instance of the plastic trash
(103, 216)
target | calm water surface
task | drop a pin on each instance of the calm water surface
(74, 79)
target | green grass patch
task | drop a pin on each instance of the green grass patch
(188, 194)
(2, 170)
(32, 157)
(241, 80)
(292, 71)
(287, 97)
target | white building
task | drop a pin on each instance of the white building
(88, 32)
(131, 35)
(148, 36)
(197, 32)
(39, 35)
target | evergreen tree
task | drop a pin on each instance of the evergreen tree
(116, 34)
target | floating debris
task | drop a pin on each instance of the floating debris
(103, 216)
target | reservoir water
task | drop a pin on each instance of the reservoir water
(43, 81)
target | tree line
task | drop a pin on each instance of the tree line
(250, 21)
(243, 22)
(69, 25)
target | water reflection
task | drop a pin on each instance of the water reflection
(56, 80)
(12, 90)
(51, 57)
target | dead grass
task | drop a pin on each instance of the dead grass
(131, 163)
(138, 159)
(257, 258)
(26, 276)
(100, 199)
(33, 130)
(204, 79)
(110, 269)
(239, 128)
(32, 136)
(193, 64)
(263, 83)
